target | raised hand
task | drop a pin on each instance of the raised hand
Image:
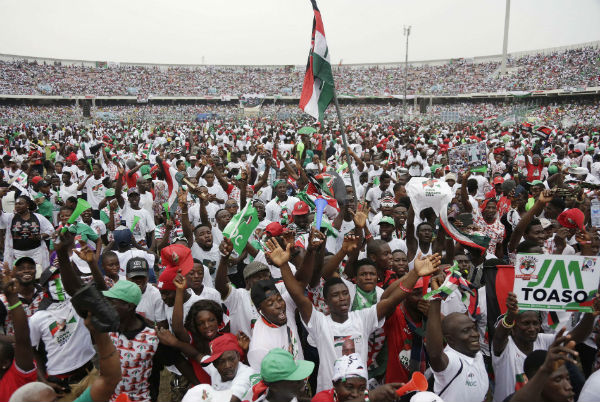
(226, 247)
(512, 304)
(561, 351)
(85, 252)
(179, 281)
(243, 341)
(350, 243)
(166, 337)
(546, 196)
(427, 265)
(315, 239)
(359, 217)
(278, 255)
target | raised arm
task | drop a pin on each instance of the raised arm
(359, 163)
(262, 181)
(89, 256)
(109, 364)
(220, 177)
(504, 327)
(70, 279)
(464, 195)
(434, 338)
(544, 198)
(221, 280)
(177, 321)
(280, 258)
(119, 188)
(23, 349)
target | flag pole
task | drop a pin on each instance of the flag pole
(344, 142)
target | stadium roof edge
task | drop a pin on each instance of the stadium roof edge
(475, 59)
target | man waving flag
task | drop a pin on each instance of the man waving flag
(317, 91)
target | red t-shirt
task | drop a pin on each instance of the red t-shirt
(131, 180)
(399, 342)
(13, 379)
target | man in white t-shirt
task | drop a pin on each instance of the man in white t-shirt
(343, 331)
(458, 369)
(151, 305)
(137, 219)
(93, 187)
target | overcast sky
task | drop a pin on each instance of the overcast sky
(278, 31)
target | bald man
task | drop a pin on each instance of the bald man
(458, 369)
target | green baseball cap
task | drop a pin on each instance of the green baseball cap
(552, 169)
(124, 290)
(144, 170)
(279, 365)
(388, 220)
(109, 192)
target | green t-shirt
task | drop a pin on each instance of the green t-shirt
(45, 208)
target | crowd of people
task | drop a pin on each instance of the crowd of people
(568, 69)
(190, 261)
(561, 114)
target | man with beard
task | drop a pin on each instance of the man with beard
(30, 293)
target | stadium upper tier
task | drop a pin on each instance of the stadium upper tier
(563, 69)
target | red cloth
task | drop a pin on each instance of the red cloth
(399, 339)
(323, 396)
(13, 379)
(390, 277)
(201, 375)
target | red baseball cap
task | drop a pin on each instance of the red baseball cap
(300, 208)
(165, 280)
(571, 218)
(177, 257)
(273, 229)
(220, 345)
(36, 179)
(498, 180)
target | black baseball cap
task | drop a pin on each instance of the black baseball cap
(136, 266)
(262, 290)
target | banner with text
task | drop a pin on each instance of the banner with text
(556, 282)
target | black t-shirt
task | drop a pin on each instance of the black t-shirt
(26, 234)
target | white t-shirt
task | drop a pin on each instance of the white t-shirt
(129, 254)
(95, 191)
(238, 386)
(151, 305)
(66, 192)
(510, 363)
(274, 209)
(64, 334)
(591, 388)
(265, 337)
(144, 225)
(470, 385)
(210, 259)
(330, 336)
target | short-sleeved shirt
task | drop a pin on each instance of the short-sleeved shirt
(470, 385)
(13, 379)
(332, 337)
(495, 230)
(510, 363)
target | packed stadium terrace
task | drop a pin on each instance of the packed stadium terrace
(557, 114)
(575, 68)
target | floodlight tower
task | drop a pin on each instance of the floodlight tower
(505, 42)
(407, 34)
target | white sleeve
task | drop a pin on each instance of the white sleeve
(207, 280)
(149, 221)
(35, 334)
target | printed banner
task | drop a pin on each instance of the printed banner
(471, 156)
(556, 282)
